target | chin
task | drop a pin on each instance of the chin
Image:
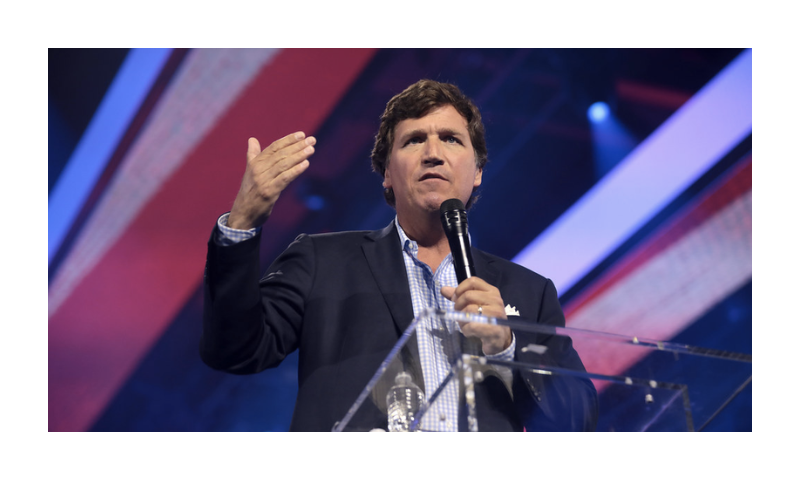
(433, 202)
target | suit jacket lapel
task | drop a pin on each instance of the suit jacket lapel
(484, 268)
(385, 259)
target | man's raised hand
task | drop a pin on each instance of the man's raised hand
(267, 174)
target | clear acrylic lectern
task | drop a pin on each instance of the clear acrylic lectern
(641, 384)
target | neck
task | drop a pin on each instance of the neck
(427, 231)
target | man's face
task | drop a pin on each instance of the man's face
(432, 160)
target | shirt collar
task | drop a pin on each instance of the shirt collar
(408, 245)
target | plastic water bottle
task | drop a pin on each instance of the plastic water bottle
(404, 401)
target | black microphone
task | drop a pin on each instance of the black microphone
(454, 221)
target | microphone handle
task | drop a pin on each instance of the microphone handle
(462, 256)
(454, 223)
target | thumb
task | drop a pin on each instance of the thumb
(253, 148)
(449, 293)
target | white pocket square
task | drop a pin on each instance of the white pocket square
(511, 311)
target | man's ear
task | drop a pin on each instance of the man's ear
(387, 179)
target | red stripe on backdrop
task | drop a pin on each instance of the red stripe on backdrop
(638, 295)
(123, 305)
(734, 184)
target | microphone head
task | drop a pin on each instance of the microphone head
(450, 205)
(453, 216)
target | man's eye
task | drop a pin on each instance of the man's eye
(451, 139)
(414, 140)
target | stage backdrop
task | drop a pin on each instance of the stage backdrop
(623, 175)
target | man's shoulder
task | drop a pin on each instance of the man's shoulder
(509, 268)
(348, 237)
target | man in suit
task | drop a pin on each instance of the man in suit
(345, 298)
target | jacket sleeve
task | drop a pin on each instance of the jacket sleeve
(250, 324)
(552, 402)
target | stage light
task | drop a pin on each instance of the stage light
(598, 112)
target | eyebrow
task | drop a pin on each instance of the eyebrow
(443, 132)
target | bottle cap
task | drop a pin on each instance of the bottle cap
(403, 378)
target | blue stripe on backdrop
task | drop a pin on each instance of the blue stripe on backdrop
(118, 108)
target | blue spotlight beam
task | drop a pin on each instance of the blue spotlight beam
(681, 150)
(611, 142)
(119, 106)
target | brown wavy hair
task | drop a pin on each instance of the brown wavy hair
(416, 101)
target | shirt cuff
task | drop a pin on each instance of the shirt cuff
(508, 353)
(505, 373)
(227, 236)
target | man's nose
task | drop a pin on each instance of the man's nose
(433, 152)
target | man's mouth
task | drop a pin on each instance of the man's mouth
(431, 176)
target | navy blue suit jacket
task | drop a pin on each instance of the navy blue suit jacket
(343, 300)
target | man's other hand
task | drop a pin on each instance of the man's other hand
(474, 295)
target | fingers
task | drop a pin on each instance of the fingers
(268, 173)
(448, 292)
(283, 148)
(294, 147)
(494, 338)
(474, 283)
(253, 148)
(495, 334)
(287, 176)
(281, 156)
(293, 139)
(474, 295)
(281, 162)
